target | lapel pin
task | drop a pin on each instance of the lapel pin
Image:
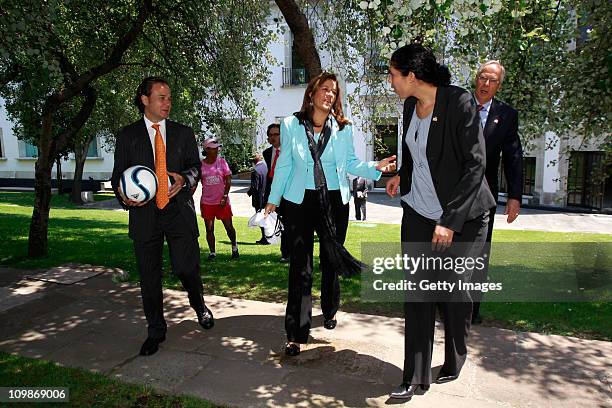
(434, 119)
(496, 121)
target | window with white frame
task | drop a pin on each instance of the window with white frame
(27, 149)
(93, 151)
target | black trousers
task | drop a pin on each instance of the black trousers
(476, 305)
(420, 316)
(285, 241)
(360, 208)
(302, 220)
(185, 261)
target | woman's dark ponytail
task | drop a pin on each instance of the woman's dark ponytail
(421, 61)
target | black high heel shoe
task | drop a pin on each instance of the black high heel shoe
(330, 324)
(292, 349)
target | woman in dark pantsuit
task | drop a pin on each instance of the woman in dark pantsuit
(311, 180)
(445, 201)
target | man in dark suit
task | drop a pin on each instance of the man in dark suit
(257, 191)
(171, 150)
(500, 124)
(360, 196)
(271, 156)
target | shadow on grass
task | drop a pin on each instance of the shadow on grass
(71, 239)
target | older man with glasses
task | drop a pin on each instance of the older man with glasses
(500, 125)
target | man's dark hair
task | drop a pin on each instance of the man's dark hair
(145, 89)
(272, 126)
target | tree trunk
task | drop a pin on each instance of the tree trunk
(302, 36)
(80, 155)
(38, 245)
(59, 176)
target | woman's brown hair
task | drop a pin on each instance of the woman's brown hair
(336, 110)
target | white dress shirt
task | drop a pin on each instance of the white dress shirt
(484, 113)
(162, 130)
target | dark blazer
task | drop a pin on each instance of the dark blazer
(456, 156)
(133, 147)
(501, 137)
(267, 155)
(259, 182)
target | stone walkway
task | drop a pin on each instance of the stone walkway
(98, 325)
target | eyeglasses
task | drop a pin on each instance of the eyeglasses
(274, 134)
(484, 80)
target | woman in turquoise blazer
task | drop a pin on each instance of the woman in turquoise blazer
(311, 186)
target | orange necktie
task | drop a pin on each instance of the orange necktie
(161, 198)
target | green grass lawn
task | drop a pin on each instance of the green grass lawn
(86, 389)
(104, 196)
(100, 237)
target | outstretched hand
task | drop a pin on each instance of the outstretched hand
(387, 165)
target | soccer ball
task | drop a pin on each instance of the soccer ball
(139, 183)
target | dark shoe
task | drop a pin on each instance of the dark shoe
(330, 324)
(477, 319)
(407, 391)
(235, 254)
(292, 349)
(444, 378)
(262, 242)
(212, 257)
(206, 319)
(151, 345)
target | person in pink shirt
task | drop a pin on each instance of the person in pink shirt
(216, 183)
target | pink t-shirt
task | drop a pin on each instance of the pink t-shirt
(213, 181)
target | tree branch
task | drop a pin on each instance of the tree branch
(108, 65)
(79, 120)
